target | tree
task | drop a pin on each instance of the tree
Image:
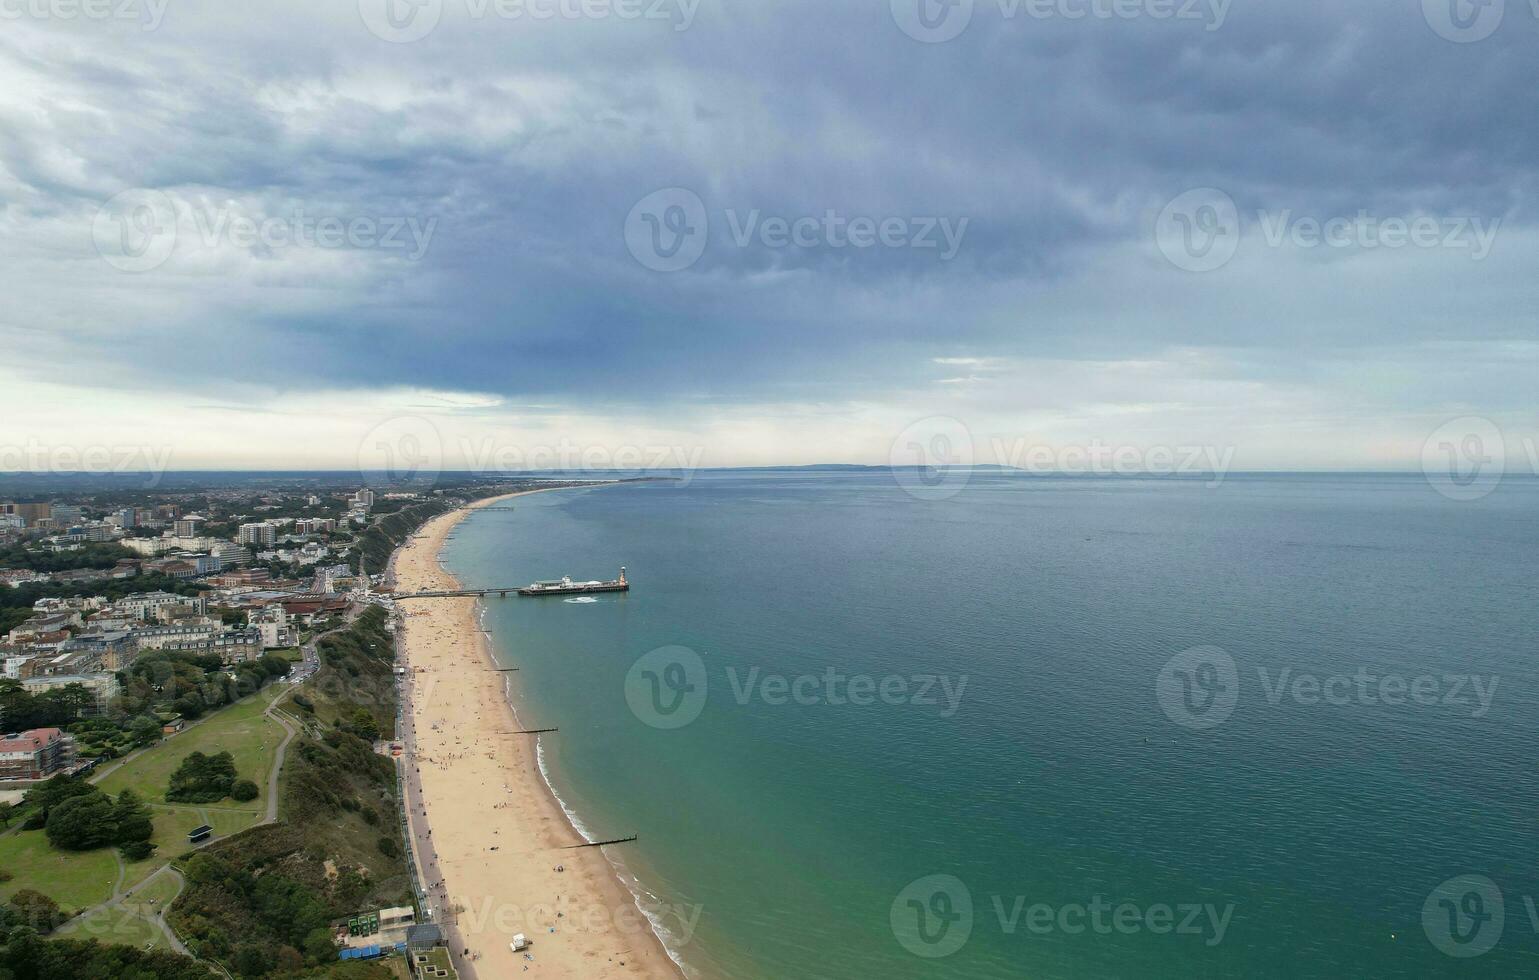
(363, 725)
(252, 960)
(243, 790)
(202, 778)
(144, 730)
(320, 946)
(7, 811)
(138, 850)
(133, 819)
(37, 910)
(82, 823)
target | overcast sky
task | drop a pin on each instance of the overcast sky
(260, 235)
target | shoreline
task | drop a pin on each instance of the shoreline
(485, 822)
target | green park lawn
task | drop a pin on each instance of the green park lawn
(74, 879)
(80, 879)
(239, 729)
(131, 922)
(121, 925)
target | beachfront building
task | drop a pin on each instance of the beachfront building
(35, 754)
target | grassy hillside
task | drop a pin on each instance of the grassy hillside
(260, 901)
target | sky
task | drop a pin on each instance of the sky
(505, 233)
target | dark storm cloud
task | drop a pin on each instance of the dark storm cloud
(1056, 141)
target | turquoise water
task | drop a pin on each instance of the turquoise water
(797, 829)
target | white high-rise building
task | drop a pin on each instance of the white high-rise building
(263, 534)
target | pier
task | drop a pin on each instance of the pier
(500, 591)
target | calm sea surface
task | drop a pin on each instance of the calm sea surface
(1017, 785)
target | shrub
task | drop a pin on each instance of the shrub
(138, 850)
(243, 790)
(388, 847)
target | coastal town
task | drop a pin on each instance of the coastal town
(219, 574)
(206, 681)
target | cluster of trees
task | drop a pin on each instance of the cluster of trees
(187, 684)
(190, 684)
(45, 560)
(77, 816)
(208, 779)
(22, 709)
(256, 922)
(25, 955)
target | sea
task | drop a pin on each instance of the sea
(1042, 727)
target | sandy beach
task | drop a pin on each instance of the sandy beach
(487, 832)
